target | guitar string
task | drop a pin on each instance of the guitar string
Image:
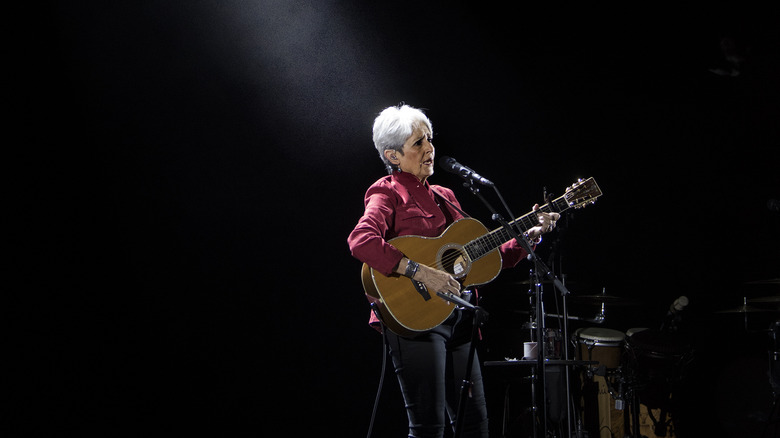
(480, 247)
(493, 239)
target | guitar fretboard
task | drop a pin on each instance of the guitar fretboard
(482, 245)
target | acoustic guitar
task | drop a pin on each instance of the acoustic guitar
(466, 250)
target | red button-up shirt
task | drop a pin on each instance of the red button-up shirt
(400, 205)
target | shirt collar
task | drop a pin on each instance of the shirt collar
(409, 180)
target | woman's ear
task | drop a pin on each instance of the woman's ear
(391, 156)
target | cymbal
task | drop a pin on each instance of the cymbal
(769, 299)
(545, 281)
(598, 298)
(767, 281)
(746, 309)
(529, 282)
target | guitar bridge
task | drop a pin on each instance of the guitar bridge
(421, 289)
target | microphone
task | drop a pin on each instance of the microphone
(450, 165)
(456, 299)
(598, 319)
(678, 305)
(669, 325)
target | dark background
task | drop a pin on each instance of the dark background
(186, 175)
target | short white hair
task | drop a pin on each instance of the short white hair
(393, 126)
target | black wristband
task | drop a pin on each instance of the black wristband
(411, 268)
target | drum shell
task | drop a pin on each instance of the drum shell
(601, 417)
(658, 361)
(600, 344)
(656, 354)
(553, 344)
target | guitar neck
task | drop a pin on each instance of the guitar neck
(492, 240)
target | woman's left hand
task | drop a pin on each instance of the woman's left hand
(546, 223)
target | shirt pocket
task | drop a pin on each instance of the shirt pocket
(411, 219)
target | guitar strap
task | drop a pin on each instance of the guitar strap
(452, 204)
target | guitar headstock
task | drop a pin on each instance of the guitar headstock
(582, 193)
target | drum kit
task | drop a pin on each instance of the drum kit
(759, 317)
(608, 383)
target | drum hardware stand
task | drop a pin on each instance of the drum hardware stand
(630, 386)
(625, 400)
(631, 420)
(774, 381)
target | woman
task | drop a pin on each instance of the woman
(431, 365)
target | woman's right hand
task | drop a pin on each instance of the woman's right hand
(438, 281)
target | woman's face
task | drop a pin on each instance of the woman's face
(418, 154)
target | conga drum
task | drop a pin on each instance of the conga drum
(600, 344)
(602, 417)
(656, 360)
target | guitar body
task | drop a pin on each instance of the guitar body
(404, 307)
(467, 251)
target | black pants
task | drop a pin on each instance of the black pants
(430, 369)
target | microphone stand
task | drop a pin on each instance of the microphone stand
(546, 272)
(480, 316)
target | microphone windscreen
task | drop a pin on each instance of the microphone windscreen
(447, 163)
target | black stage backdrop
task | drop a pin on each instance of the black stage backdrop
(185, 174)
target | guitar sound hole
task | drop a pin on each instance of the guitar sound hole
(453, 261)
